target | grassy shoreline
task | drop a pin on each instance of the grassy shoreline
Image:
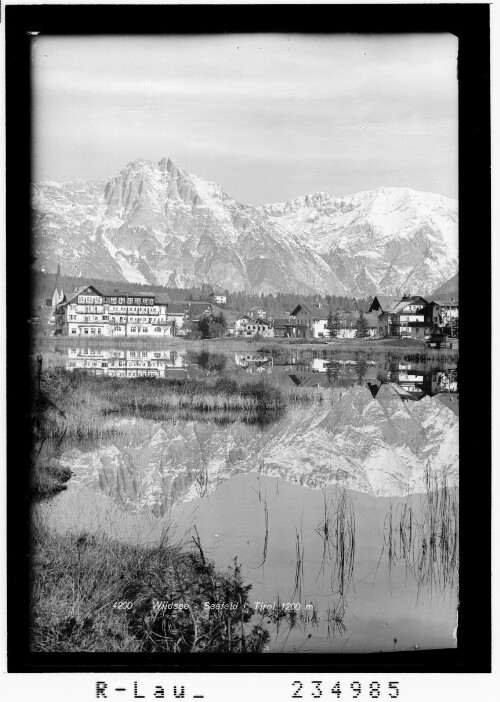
(92, 593)
(238, 344)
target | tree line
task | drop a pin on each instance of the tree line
(276, 305)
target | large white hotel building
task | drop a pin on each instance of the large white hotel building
(88, 312)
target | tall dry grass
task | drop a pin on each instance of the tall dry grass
(92, 593)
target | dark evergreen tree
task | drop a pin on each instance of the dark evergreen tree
(330, 324)
(362, 329)
(336, 324)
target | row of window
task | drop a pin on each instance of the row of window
(88, 330)
(95, 299)
(132, 300)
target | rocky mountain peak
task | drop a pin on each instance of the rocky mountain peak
(154, 223)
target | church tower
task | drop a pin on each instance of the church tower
(58, 295)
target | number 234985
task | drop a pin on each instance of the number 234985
(317, 688)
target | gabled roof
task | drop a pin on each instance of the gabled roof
(386, 302)
(405, 301)
(312, 310)
(444, 303)
(80, 290)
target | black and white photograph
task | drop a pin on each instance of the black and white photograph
(244, 330)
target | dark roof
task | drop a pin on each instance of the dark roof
(313, 310)
(79, 290)
(386, 302)
(444, 303)
(58, 285)
(188, 307)
(176, 308)
(283, 321)
(260, 320)
(124, 293)
(405, 301)
(163, 298)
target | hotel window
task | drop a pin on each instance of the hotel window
(73, 331)
(144, 330)
(130, 300)
(98, 331)
(137, 300)
(133, 329)
(113, 300)
(121, 300)
(85, 331)
(158, 329)
(132, 354)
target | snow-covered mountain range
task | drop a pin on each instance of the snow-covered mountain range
(156, 224)
(378, 447)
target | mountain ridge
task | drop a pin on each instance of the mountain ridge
(154, 223)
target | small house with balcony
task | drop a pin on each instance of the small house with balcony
(310, 321)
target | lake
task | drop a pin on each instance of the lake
(342, 512)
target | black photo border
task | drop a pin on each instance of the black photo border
(470, 23)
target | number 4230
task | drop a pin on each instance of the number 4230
(374, 689)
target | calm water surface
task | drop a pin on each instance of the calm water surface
(331, 507)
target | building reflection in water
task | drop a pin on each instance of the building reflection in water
(127, 363)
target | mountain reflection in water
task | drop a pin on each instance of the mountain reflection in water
(334, 504)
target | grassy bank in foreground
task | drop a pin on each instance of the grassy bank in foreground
(91, 593)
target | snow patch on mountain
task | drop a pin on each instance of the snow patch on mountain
(156, 223)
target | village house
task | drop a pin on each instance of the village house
(405, 317)
(440, 313)
(256, 312)
(240, 323)
(309, 321)
(259, 325)
(217, 298)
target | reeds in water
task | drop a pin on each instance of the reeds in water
(338, 531)
(425, 536)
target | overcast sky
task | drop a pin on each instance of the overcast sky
(268, 117)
